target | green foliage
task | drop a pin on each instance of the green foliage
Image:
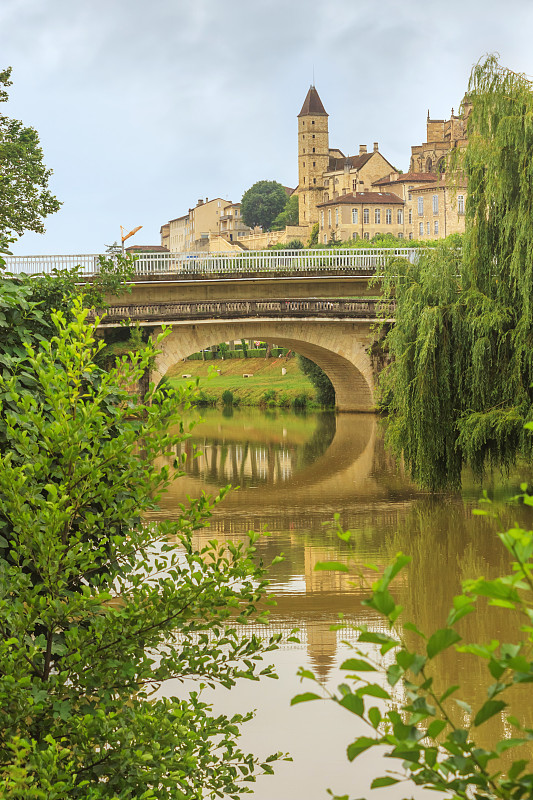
(98, 608)
(223, 349)
(24, 196)
(262, 202)
(459, 387)
(313, 239)
(289, 215)
(416, 721)
(325, 393)
(301, 402)
(227, 397)
(244, 348)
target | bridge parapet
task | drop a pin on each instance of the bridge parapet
(261, 262)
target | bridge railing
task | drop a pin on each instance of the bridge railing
(361, 260)
(365, 309)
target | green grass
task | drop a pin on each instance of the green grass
(267, 378)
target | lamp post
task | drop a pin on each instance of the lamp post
(127, 235)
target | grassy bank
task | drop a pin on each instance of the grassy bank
(267, 387)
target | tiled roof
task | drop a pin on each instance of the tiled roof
(406, 178)
(147, 248)
(355, 162)
(312, 105)
(387, 198)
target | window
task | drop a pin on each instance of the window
(314, 180)
(410, 193)
(436, 227)
(325, 238)
(354, 235)
(326, 197)
(420, 206)
(304, 161)
(460, 204)
(435, 204)
(399, 216)
(336, 216)
(366, 235)
(400, 235)
(421, 229)
(304, 152)
(410, 236)
(326, 182)
(329, 217)
(377, 216)
(428, 228)
(321, 219)
(303, 137)
(410, 216)
(366, 217)
(313, 135)
(354, 185)
(312, 122)
(304, 179)
(313, 149)
(355, 216)
(314, 163)
(388, 216)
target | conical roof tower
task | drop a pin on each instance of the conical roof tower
(313, 156)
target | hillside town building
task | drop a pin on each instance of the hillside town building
(348, 197)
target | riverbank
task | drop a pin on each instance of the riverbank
(266, 385)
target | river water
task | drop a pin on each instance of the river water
(295, 472)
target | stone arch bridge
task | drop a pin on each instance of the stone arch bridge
(323, 304)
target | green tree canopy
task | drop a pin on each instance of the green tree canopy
(458, 390)
(289, 215)
(24, 196)
(262, 202)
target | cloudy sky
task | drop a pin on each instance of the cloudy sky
(144, 107)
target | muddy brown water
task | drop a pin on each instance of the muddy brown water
(294, 472)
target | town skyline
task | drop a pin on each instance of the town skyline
(141, 110)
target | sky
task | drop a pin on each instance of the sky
(144, 107)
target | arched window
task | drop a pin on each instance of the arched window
(399, 216)
(355, 216)
(366, 216)
(388, 216)
(429, 165)
(377, 215)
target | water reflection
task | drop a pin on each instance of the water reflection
(294, 473)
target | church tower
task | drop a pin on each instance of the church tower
(313, 156)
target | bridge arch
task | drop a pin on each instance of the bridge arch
(339, 347)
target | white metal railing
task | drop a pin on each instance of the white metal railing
(265, 261)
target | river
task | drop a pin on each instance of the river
(295, 472)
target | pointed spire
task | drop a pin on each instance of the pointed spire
(312, 105)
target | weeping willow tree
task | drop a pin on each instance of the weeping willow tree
(458, 390)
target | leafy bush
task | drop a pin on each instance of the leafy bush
(97, 607)
(418, 726)
(227, 397)
(301, 401)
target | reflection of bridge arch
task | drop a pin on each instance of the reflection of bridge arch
(339, 347)
(345, 468)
